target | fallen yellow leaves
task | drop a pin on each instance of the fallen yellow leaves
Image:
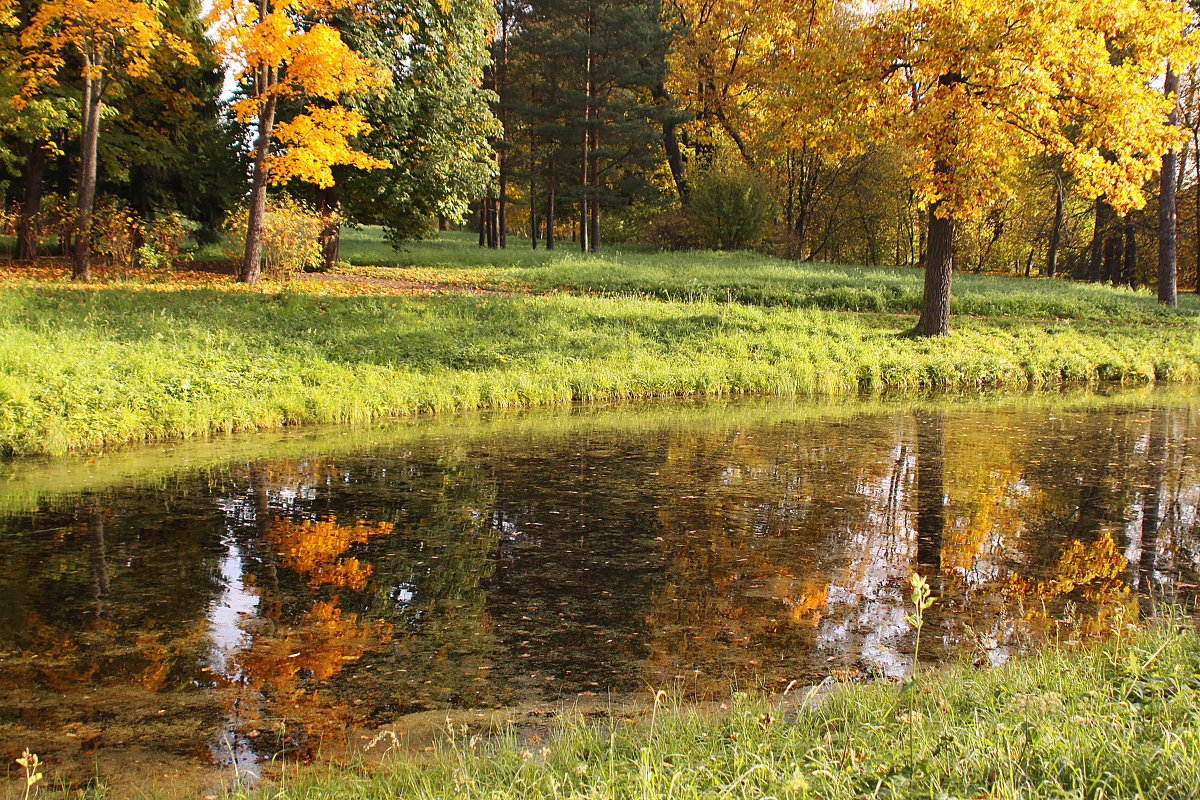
(351, 282)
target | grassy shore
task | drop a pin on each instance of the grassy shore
(125, 361)
(1118, 721)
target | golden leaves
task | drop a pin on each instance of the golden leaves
(113, 38)
(317, 140)
(279, 54)
(971, 85)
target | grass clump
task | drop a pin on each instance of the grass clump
(1117, 721)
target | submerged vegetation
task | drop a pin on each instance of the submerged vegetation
(194, 355)
(1119, 720)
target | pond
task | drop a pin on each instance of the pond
(171, 609)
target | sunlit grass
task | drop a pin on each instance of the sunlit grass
(1116, 721)
(89, 367)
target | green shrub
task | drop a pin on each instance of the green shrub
(731, 205)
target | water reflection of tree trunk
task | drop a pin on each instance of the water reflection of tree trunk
(931, 491)
(95, 527)
(1156, 457)
(262, 524)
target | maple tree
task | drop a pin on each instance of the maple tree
(107, 41)
(286, 49)
(971, 85)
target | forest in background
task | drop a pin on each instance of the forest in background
(680, 124)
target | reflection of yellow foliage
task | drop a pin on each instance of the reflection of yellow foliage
(315, 548)
(809, 604)
(284, 671)
(1080, 564)
(1095, 570)
(321, 642)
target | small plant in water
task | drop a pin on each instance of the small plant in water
(30, 762)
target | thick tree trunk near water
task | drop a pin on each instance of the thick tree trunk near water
(1166, 207)
(252, 261)
(939, 264)
(88, 139)
(31, 202)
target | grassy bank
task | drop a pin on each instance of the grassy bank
(89, 367)
(754, 279)
(1118, 721)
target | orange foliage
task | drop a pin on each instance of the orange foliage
(314, 549)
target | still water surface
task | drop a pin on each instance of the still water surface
(289, 596)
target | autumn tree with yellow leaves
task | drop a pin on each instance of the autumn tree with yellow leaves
(106, 41)
(972, 85)
(285, 49)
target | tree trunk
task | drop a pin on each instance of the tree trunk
(482, 222)
(922, 233)
(31, 203)
(252, 262)
(671, 144)
(493, 223)
(88, 139)
(443, 223)
(1096, 253)
(1196, 158)
(583, 195)
(502, 205)
(1166, 206)
(553, 182)
(329, 205)
(589, 93)
(594, 219)
(1056, 231)
(939, 264)
(1112, 257)
(1129, 270)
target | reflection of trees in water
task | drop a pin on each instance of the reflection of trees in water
(356, 617)
(1023, 539)
(470, 575)
(101, 605)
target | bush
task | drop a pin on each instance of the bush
(731, 205)
(291, 235)
(673, 229)
(164, 236)
(116, 231)
(59, 216)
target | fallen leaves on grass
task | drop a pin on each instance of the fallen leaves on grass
(355, 281)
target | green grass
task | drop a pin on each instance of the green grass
(755, 279)
(1115, 721)
(86, 368)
